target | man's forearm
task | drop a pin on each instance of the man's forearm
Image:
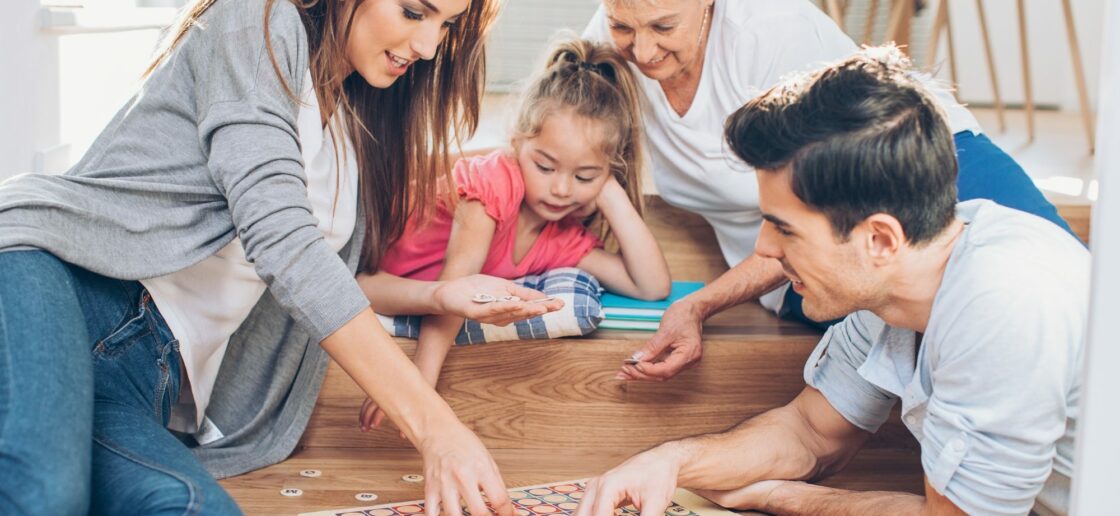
(765, 447)
(799, 498)
(748, 280)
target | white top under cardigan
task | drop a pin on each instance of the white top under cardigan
(205, 303)
(753, 45)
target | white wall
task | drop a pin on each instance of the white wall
(1098, 449)
(1051, 69)
(60, 86)
(29, 111)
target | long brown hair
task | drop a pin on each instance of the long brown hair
(594, 81)
(402, 134)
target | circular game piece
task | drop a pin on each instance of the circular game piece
(365, 497)
(518, 494)
(310, 473)
(544, 509)
(677, 510)
(522, 512)
(380, 512)
(291, 491)
(565, 488)
(483, 298)
(409, 509)
(528, 502)
(555, 498)
(413, 478)
(540, 491)
(568, 506)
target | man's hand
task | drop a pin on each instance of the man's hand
(647, 480)
(675, 347)
(454, 297)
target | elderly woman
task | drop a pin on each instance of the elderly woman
(699, 61)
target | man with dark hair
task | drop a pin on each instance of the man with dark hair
(973, 315)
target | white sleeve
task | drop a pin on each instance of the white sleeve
(773, 46)
(957, 116)
(597, 29)
(833, 369)
(1000, 378)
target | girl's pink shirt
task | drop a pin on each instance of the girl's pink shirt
(495, 181)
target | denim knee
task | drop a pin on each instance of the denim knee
(165, 494)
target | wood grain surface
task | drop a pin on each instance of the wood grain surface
(551, 410)
(347, 472)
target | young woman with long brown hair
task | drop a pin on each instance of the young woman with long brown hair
(203, 254)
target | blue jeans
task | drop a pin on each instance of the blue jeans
(88, 374)
(984, 172)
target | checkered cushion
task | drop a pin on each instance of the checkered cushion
(581, 313)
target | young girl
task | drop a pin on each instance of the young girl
(232, 172)
(575, 164)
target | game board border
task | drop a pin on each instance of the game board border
(692, 501)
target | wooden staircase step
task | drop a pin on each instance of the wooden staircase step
(562, 393)
(346, 472)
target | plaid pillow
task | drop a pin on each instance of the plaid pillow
(581, 313)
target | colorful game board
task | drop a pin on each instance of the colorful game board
(560, 498)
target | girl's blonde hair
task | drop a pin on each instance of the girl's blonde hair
(594, 81)
(402, 133)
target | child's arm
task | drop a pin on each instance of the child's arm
(639, 269)
(467, 248)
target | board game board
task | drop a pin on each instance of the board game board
(556, 499)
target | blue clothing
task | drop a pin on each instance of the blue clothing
(90, 371)
(984, 172)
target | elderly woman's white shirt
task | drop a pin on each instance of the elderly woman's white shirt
(752, 46)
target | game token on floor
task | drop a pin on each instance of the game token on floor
(310, 473)
(415, 479)
(291, 491)
(365, 497)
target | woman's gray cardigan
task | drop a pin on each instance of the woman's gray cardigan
(207, 150)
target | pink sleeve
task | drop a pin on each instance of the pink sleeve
(494, 180)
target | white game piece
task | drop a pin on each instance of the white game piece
(291, 491)
(365, 497)
(310, 473)
(483, 298)
(413, 478)
(635, 358)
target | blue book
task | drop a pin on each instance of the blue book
(622, 307)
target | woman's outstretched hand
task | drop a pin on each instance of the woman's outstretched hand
(456, 297)
(457, 466)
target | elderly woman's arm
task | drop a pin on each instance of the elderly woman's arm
(676, 345)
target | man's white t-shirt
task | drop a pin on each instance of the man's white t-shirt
(992, 391)
(205, 304)
(753, 45)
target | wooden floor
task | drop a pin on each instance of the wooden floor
(551, 410)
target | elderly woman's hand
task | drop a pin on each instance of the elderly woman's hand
(675, 347)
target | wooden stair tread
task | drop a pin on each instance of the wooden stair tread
(346, 472)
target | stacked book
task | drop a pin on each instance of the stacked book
(627, 313)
